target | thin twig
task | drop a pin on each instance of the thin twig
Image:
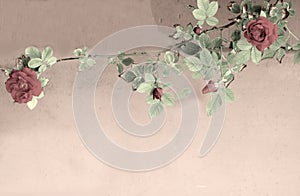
(219, 28)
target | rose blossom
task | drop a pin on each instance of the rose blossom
(261, 33)
(23, 84)
(210, 87)
(157, 93)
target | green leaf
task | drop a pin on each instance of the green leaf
(77, 52)
(204, 40)
(168, 99)
(128, 76)
(205, 57)
(35, 62)
(268, 53)
(136, 82)
(297, 57)
(41, 95)
(193, 63)
(236, 35)
(33, 52)
(213, 104)
(86, 62)
(47, 53)
(145, 87)
(150, 100)
(212, 21)
(149, 78)
(212, 9)
(128, 61)
(190, 48)
(42, 68)
(256, 55)
(32, 104)
(51, 61)
(184, 93)
(120, 68)
(236, 8)
(44, 81)
(296, 46)
(228, 94)
(243, 44)
(241, 57)
(216, 43)
(156, 109)
(199, 14)
(203, 4)
(280, 54)
(171, 57)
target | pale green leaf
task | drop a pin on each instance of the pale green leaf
(241, 57)
(44, 81)
(212, 21)
(150, 100)
(268, 53)
(205, 57)
(47, 53)
(256, 55)
(203, 4)
(33, 52)
(35, 62)
(77, 52)
(156, 109)
(213, 104)
(243, 44)
(42, 68)
(228, 94)
(193, 63)
(204, 40)
(168, 99)
(51, 61)
(145, 87)
(32, 104)
(41, 95)
(280, 54)
(149, 77)
(212, 9)
(199, 14)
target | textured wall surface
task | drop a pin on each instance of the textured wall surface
(258, 152)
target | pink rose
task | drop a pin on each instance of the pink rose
(261, 33)
(23, 84)
(210, 87)
(157, 93)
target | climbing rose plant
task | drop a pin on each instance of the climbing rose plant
(259, 32)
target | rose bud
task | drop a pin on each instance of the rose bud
(210, 87)
(261, 33)
(157, 93)
(197, 30)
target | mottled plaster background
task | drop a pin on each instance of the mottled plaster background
(258, 152)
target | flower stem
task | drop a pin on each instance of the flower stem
(219, 28)
(67, 59)
(292, 34)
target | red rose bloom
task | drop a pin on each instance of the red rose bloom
(210, 87)
(261, 33)
(23, 84)
(157, 93)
